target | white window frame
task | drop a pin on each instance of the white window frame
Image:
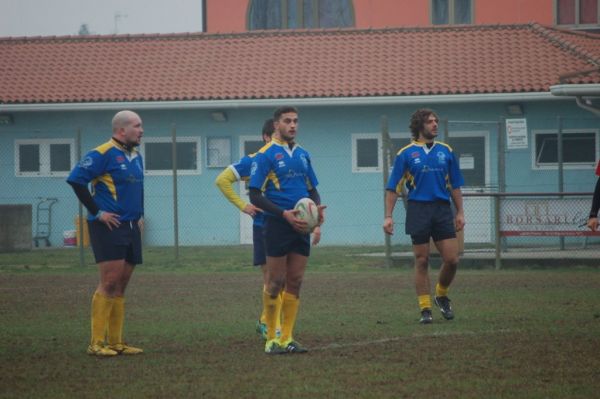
(166, 139)
(44, 145)
(570, 165)
(367, 169)
(228, 161)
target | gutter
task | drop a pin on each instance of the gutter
(583, 94)
(272, 103)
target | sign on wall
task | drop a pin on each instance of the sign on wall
(545, 217)
(516, 133)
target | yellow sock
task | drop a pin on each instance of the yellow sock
(440, 290)
(270, 312)
(289, 310)
(278, 310)
(263, 315)
(101, 308)
(115, 321)
(424, 301)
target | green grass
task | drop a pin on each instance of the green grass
(517, 333)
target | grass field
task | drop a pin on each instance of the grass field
(522, 333)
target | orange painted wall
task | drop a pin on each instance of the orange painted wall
(230, 15)
(226, 16)
(514, 11)
(391, 13)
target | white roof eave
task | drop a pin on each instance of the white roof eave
(576, 90)
(248, 103)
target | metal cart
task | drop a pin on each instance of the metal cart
(43, 220)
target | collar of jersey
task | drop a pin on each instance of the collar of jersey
(423, 144)
(120, 146)
(284, 145)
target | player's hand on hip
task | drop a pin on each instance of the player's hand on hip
(388, 225)
(109, 219)
(251, 210)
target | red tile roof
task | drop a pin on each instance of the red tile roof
(294, 64)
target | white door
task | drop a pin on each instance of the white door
(472, 151)
(248, 145)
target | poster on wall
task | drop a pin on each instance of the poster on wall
(516, 134)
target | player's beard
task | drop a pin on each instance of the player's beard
(429, 135)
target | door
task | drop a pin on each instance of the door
(472, 152)
(248, 145)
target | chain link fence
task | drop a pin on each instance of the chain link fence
(539, 206)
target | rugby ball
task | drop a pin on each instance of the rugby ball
(307, 211)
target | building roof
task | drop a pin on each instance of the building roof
(294, 64)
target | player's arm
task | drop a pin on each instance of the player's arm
(225, 182)
(593, 219)
(391, 196)
(85, 197)
(457, 199)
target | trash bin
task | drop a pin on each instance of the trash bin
(86, 233)
(69, 238)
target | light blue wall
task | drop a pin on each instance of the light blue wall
(355, 200)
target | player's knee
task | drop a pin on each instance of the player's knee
(293, 284)
(275, 286)
(421, 261)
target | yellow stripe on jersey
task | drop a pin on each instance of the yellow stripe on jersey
(445, 145)
(271, 176)
(107, 180)
(102, 149)
(405, 147)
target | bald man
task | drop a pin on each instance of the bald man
(115, 221)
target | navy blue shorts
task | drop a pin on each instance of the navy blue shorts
(123, 242)
(281, 238)
(425, 220)
(258, 240)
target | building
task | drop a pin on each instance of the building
(215, 90)
(226, 16)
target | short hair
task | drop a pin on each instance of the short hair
(268, 128)
(121, 119)
(283, 110)
(418, 119)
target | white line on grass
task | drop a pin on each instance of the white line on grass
(406, 338)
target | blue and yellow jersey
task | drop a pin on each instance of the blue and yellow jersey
(283, 175)
(117, 179)
(241, 170)
(429, 173)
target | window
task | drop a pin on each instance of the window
(577, 12)
(218, 152)
(51, 157)
(366, 153)
(453, 12)
(300, 14)
(158, 159)
(579, 149)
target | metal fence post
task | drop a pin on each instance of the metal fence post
(559, 150)
(175, 208)
(386, 161)
(80, 205)
(497, 257)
